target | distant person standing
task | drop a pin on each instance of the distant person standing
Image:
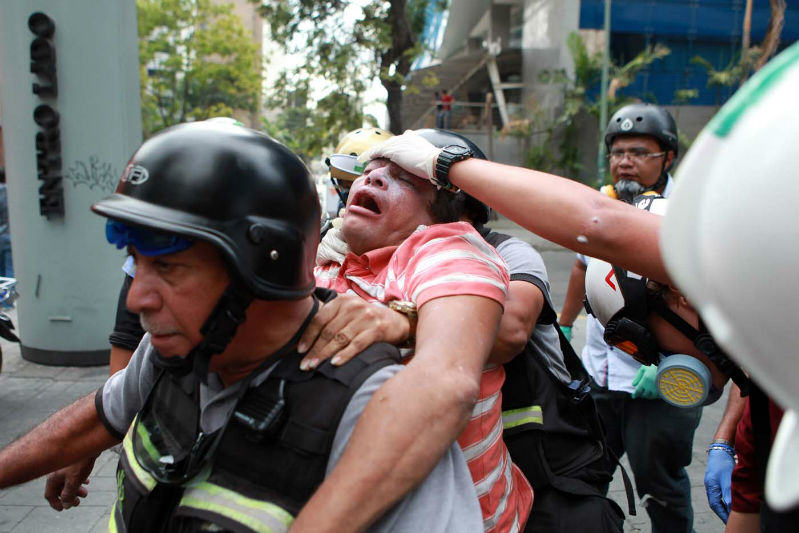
(445, 110)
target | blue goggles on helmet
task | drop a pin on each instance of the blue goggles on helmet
(146, 242)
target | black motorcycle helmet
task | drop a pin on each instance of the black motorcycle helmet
(239, 190)
(477, 211)
(644, 119)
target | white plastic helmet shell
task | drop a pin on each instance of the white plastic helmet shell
(602, 290)
(730, 242)
(653, 203)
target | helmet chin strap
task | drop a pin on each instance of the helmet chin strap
(218, 330)
(661, 182)
(220, 327)
(337, 186)
(664, 176)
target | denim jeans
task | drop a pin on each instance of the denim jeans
(658, 439)
(443, 119)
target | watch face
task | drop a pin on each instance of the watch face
(457, 150)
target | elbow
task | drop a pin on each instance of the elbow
(600, 225)
(514, 332)
(460, 392)
(505, 350)
(448, 391)
(517, 340)
(464, 389)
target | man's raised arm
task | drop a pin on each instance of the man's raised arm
(412, 419)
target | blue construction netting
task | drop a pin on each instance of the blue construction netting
(707, 28)
(435, 24)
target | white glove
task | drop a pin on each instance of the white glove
(333, 247)
(410, 151)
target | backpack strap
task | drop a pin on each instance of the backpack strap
(577, 390)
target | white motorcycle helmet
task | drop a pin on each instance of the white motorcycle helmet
(730, 242)
(622, 307)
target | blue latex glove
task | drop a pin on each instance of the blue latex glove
(567, 332)
(718, 478)
(645, 382)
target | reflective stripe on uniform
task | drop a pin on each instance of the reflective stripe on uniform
(257, 515)
(525, 415)
(142, 476)
(112, 522)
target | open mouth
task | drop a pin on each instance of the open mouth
(366, 201)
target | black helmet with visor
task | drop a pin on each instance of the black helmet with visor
(239, 190)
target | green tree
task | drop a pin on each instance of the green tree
(309, 131)
(556, 147)
(196, 61)
(346, 46)
(735, 73)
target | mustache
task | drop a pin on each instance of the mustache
(153, 328)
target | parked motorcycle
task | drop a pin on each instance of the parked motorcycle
(8, 294)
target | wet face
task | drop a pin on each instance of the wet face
(174, 295)
(385, 206)
(645, 171)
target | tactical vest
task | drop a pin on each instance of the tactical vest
(270, 458)
(551, 428)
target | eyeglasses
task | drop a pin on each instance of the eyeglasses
(635, 155)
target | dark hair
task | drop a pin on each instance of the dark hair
(476, 211)
(447, 207)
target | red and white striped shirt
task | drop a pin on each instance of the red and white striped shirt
(446, 260)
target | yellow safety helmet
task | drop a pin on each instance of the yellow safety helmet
(343, 163)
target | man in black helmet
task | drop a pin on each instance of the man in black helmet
(641, 143)
(641, 140)
(220, 428)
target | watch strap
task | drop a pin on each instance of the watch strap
(448, 156)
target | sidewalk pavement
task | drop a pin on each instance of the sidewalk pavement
(30, 392)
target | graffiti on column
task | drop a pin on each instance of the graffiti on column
(93, 173)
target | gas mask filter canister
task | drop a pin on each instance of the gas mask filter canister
(621, 307)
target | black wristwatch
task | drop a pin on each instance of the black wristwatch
(449, 155)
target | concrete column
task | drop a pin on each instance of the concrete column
(547, 24)
(87, 107)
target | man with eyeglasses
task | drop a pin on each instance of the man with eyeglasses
(641, 140)
(641, 143)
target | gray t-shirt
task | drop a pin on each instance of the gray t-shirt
(526, 264)
(444, 501)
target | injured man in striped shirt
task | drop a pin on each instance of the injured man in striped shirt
(409, 250)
